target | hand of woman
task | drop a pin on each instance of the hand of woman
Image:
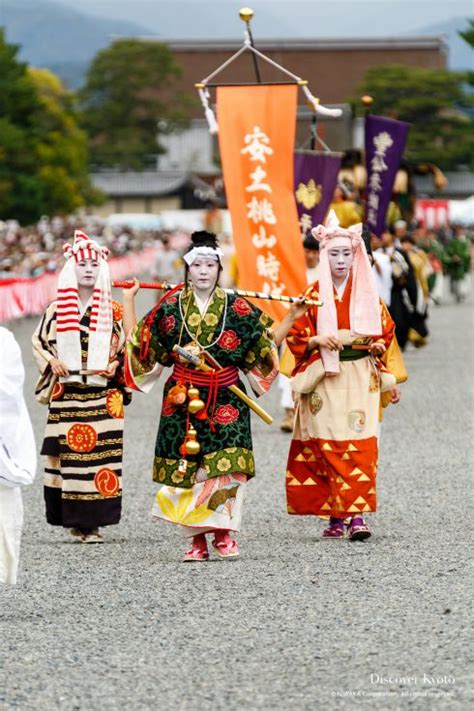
(331, 342)
(297, 309)
(58, 367)
(129, 294)
(377, 348)
(111, 370)
(395, 395)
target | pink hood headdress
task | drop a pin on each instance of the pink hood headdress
(364, 311)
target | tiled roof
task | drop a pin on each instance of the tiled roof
(154, 183)
(128, 184)
(460, 185)
(367, 43)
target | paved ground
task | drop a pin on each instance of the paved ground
(296, 623)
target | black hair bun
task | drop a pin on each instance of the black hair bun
(204, 239)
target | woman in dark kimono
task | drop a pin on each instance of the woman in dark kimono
(203, 454)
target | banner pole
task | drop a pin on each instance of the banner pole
(246, 14)
(314, 131)
(163, 285)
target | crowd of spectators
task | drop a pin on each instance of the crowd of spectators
(27, 252)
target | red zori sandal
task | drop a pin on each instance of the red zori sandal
(225, 546)
(198, 551)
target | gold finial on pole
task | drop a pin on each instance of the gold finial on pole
(366, 100)
(246, 14)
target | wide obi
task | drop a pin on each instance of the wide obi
(222, 378)
(349, 353)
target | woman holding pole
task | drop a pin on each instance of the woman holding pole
(203, 455)
(339, 377)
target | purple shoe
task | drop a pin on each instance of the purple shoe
(357, 529)
(335, 530)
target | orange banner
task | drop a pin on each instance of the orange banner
(256, 139)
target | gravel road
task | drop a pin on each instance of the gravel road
(296, 622)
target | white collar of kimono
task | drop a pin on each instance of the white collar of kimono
(342, 287)
(205, 252)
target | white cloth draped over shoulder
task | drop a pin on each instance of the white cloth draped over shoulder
(364, 306)
(17, 454)
(68, 311)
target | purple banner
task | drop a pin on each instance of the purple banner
(385, 141)
(315, 181)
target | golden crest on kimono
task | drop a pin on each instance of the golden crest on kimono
(356, 420)
(315, 402)
(114, 404)
(309, 195)
(373, 382)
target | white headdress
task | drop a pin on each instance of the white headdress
(204, 252)
(68, 312)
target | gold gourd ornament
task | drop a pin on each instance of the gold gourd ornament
(191, 445)
(195, 403)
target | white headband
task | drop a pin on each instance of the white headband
(205, 252)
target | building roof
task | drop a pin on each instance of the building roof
(128, 184)
(460, 185)
(156, 183)
(314, 44)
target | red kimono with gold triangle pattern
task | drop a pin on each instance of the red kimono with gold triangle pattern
(332, 461)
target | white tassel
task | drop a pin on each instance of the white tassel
(318, 109)
(208, 112)
(211, 120)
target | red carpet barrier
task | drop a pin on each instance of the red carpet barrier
(29, 297)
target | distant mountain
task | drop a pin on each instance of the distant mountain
(57, 37)
(219, 19)
(461, 56)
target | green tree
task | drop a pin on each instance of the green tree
(43, 160)
(468, 33)
(19, 191)
(468, 36)
(128, 100)
(434, 102)
(61, 147)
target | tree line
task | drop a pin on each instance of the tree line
(50, 136)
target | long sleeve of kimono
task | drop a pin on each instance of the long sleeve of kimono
(388, 325)
(44, 348)
(298, 337)
(302, 330)
(142, 371)
(261, 360)
(17, 443)
(44, 339)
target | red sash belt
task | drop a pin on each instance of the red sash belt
(216, 379)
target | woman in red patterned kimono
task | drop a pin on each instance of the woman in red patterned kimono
(338, 379)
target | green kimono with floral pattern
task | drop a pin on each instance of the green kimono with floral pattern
(235, 333)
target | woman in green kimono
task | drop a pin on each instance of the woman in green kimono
(203, 454)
